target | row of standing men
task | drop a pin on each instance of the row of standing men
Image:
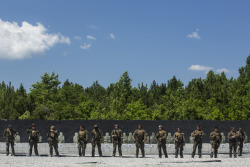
(236, 139)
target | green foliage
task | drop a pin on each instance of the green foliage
(214, 98)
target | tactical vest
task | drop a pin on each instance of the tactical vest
(10, 133)
(140, 134)
(216, 135)
(97, 134)
(232, 134)
(199, 134)
(161, 134)
(34, 134)
(179, 136)
(82, 134)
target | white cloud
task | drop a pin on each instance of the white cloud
(26, 40)
(200, 68)
(86, 46)
(91, 37)
(194, 35)
(112, 36)
(92, 26)
(78, 38)
(223, 70)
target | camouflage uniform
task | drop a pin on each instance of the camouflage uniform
(83, 137)
(215, 143)
(9, 136)
(33, 140)
(179, 143)
(232, 143)
(140, 136)
(117, 138)
(53, 142)
(96, 140)
(161, 136)
(240, 140)
(198, 136)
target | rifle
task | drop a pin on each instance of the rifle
(117, 137)
(158, 136)
(49, 137)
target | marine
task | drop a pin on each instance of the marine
(83, 138)
(117, 139)
(53, 140)
(216, 139)
(9, 136)
(179, 141)
(96, 140)
(232, 140)
(241, 136)
(161, 136)
(139, 136)
(34, 135)
(198, 135)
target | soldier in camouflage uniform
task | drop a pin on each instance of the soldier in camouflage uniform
(179, 141)
(33, 139)
(216, 138)
(9, 136)
(198, 135)
(53, 140)
(117, 138)
(161, 136)
(139, 136)
(83, 137)
(232, 142)
(96, 140)
(240, 140)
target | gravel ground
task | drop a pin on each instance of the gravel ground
(149, 161)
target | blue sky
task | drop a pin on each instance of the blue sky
(85, 41)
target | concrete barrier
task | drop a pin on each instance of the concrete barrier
(107, 148)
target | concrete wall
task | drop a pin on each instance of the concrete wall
(69, 127)
(128, 149)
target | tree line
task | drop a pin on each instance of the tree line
(214, 98)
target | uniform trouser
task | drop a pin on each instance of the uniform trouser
(232, 147)
(162, 145)
(214, 150)
(199, 145)
(98, 143)
(140, 144)
(178, 146)
(33, 143)
(81, 147)
(240, 147)
(55, 145)
(8, 144)
(119, 144)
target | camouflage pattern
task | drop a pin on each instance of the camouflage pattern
(179, 143)
(117, 139)
(232, 143)
(53, 141)
(198, 137)
(240, 140)
(33, 140)
(96, 140)
(215, 143)
(83, 138)
(9, 136)
(161, 136)
(140, 137)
